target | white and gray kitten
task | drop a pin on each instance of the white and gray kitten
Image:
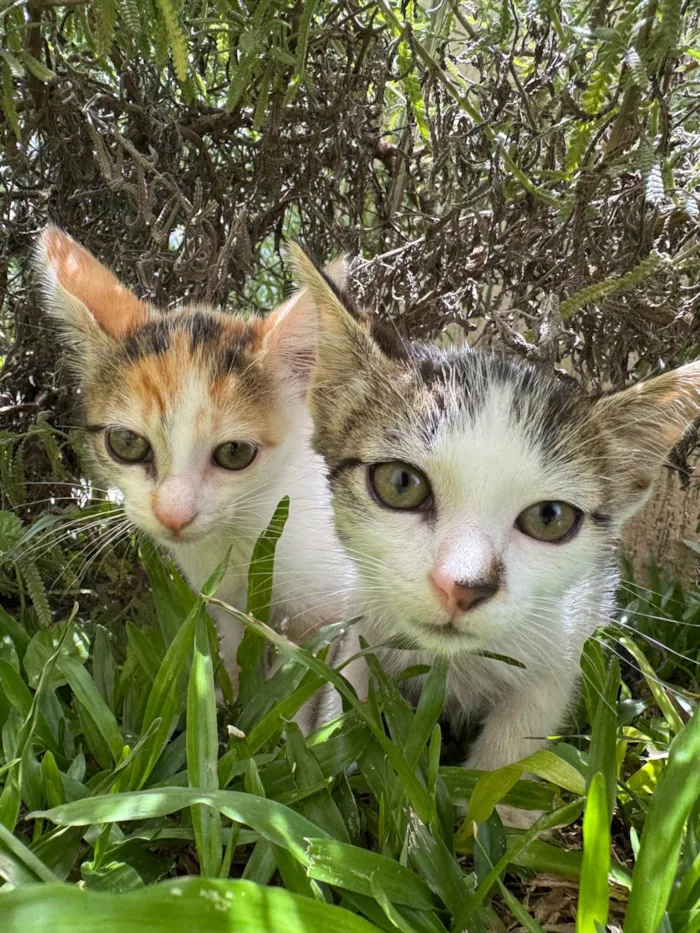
(482, 499)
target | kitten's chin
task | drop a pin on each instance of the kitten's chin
(442, 640)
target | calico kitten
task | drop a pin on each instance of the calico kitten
(484, 499)
(199, 418)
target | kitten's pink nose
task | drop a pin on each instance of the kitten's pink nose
(176, 503)
(459, 597)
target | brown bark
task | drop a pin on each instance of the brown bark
(669, 518)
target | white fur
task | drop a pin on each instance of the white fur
(312, 576)
(483, 473)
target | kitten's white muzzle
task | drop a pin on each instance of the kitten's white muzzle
(176, 502)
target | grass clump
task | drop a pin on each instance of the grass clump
(130, 800)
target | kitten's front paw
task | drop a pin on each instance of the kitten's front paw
(515, 818)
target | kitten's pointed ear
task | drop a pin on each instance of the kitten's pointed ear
(643, 424)
(82, 293)
(345, 345)
(292, 329)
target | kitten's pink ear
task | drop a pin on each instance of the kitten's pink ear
(81, 292)
(642, 425)
(292, 329)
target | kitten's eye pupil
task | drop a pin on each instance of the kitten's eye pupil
(549, 511)
(549, 521)
(399, 485)
(235, 455)
(126, 446)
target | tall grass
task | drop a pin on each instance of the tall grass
(131, 803)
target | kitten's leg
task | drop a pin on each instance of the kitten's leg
(327, 704)
(537, 712)
(231, 633)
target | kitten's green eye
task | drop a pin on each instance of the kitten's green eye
(126, 446)
(399, 485)
(549, 521)
(235, 455)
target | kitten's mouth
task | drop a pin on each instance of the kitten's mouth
(447, 633)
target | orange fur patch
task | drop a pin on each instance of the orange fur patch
(115, 309)
(154, 380)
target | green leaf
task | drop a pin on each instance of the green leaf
(415, 791)
(320, 808)
(202, 749)
(172, 597)
(430, 856)
(103, 666)
(592, 911)
(667, 708)
(602, 757)
(184, 905)
(260, 580)
(178, 44)
(89, 697)
(346, 866)
(165, 701)
(54, 788)
(677, 791)
(37, 68)
(272, 820)
(262, 564)
(17, 864)
(493, 786)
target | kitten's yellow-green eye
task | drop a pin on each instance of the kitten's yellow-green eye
(549, 521)
(399, 485)
(235, 455)
(126, 446)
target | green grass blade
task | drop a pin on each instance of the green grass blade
(184, 905)
(165, 701)
(657, 861)
(430, 706)
(675, 723)
(563, 816)
(260, 580)
(17, 864)
(415, 791)
(85, 690)
(202, 749)
(103, 666)
(526, 920)
(272, 820)
(346, 866)
(594, 895)
(321, 809)
(172, 597)
(602, 757)
(431, 858)
(493, 786)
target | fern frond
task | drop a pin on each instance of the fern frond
(129, 10)
(176, 38)
(613, 286)
(107, 25)
(8, 102)
(668, 34)
(13, 63)
(413, 90)
(36, 589)
(38, 69)
(302, 44)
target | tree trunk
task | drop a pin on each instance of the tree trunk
(669, 518)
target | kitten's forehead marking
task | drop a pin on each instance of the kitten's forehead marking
(195, 374)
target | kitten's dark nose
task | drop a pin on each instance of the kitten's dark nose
(460, 597)
(467, 597)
